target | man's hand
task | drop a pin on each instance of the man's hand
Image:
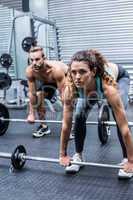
(65, 161)
(128, 167)
(31, 118)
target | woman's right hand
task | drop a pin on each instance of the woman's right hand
(65, 161)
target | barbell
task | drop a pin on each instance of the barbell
(103, 122)
(19, 158)
(109, 123)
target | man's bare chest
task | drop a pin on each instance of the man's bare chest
(45, 77)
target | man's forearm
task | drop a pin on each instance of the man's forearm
(33, 99)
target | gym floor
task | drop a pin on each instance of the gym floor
(45, 181)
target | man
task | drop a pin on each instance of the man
(90, 74)
(44, 77)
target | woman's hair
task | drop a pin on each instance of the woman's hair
(93, 58)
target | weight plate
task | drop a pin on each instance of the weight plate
(17, 161)
(3, 114)
(103, 130)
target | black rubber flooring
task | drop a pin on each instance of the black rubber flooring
(48, 181)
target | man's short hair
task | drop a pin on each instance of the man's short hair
(35, 49)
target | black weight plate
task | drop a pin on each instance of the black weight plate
(5, 81)
(102, 128)
(3, 114)
(27, 42)
(6, 60)
(16, 160)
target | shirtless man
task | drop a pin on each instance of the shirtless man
(44, 77)
(90, 73)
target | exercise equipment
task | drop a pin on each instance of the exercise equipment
(19, 158)
(103, 129)
(102, 122)
(5, 114)
(5, 81)
(6, 60)
(17, 161)
(27, 42)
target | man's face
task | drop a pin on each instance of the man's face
(36, 60)
(81, 74)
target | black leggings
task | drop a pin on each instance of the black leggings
(83, 107)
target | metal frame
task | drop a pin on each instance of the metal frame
(32, 18)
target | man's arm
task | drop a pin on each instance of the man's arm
(32, 95)
(59, 74)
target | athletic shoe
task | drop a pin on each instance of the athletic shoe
(72, 136)
(74, 168)
(124, 160)
(122, 174)
(41, 131)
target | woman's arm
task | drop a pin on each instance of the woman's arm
(66, 128)
(114, 99)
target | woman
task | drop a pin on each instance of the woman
(89, 76)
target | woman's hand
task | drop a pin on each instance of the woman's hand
(128, 167)
(65, 161)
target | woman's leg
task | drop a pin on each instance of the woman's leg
(83, 107)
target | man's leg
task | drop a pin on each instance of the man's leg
(43, 128)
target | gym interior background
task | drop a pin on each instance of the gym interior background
(61, 30)
(62, 27)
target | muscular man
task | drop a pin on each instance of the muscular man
(44, 77)
(89, 75)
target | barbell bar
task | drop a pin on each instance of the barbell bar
(54, 160)
(19, 157)
(109, 123)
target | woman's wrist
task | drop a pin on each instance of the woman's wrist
(62, 154)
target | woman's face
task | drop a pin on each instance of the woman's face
(81, 74)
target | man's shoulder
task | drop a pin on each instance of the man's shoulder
(57, 64)
(29, 71)
(29, 68)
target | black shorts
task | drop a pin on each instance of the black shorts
(122, 73)
(49, 88)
